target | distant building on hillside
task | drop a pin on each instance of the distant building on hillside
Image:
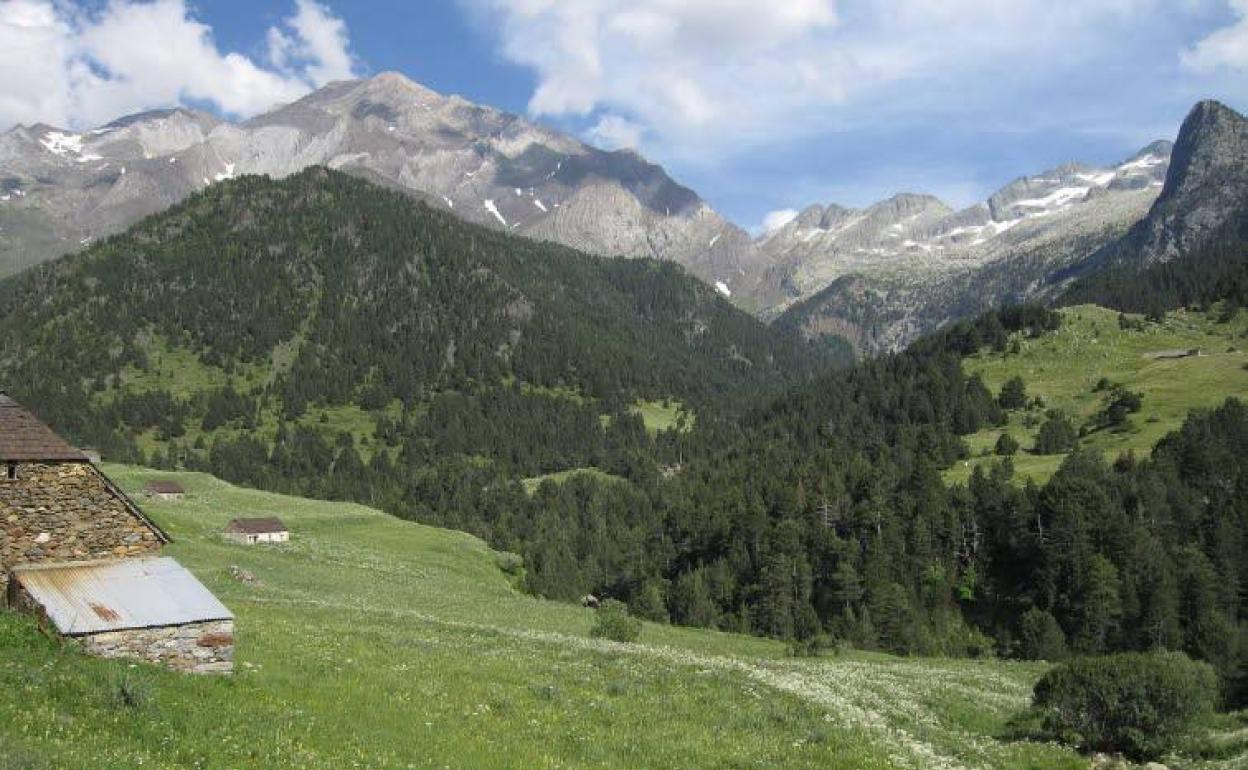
(149, 608)
(164, 489)
(255, 531)
(76, 551)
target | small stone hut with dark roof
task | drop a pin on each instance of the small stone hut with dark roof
(55, 505)
(164, 489)
(253, 531)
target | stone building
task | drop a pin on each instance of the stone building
(253, 531)
(56, 506)
(148, 608)
(163, 489)
(77, 552)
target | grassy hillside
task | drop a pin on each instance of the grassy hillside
(371, 642)
(1064, 368)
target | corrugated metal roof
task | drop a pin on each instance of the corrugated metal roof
(89, 598)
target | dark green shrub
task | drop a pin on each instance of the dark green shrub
(648, 602)
(1006, 445)
(1040, 637)
(1013, 394)
(510, 563)
(1056, 436)
(1137, 703)
(614, 623)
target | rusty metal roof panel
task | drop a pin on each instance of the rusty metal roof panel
(94, 597)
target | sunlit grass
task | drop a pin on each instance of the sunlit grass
(375, 643)
(1064, 368)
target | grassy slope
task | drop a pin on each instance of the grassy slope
(372, 642)
(1064, 367)
(660, 416)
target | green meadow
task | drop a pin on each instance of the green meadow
(1064, 368)
(369, 642)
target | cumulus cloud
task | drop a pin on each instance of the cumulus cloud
(730, 74)
(77, 67)
(774, 220)
(612, 132)
(1223, 49)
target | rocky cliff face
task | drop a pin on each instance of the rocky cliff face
(1205, 197)
(60, 190)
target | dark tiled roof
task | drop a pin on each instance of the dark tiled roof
(256, 526)
(162, 487)
(22, 437)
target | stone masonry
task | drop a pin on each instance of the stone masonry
(194, 648)
(197, 648)
(66, 511)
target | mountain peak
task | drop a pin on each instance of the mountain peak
(1161, 147)
(1212, 109)
(1212, 137)
(396, 83)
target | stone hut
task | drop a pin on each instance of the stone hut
(56, 506)
(77, 552)
(164, 489)
(253, 531)
(148, 608)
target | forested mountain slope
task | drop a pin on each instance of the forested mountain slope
(324, 289)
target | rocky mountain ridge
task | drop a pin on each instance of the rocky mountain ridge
(60, 190)
(1166, 202)
(1050, 220)
(880, 276)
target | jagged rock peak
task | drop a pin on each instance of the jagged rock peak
(1212, 136)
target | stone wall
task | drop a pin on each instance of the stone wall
(65, 512)
(197, 648)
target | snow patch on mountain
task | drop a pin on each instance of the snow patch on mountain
(493, 209)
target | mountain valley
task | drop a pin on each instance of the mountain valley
(571, 471)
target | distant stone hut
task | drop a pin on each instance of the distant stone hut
(257, 531)
(164, 489)
(149, 608)
(70, 539)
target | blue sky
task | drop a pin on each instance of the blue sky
(759, 105)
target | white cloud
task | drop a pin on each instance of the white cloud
(615, 133)
(709, 77)
(774, 220)
(1225, 48)
(69, 66)
(318, 50)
